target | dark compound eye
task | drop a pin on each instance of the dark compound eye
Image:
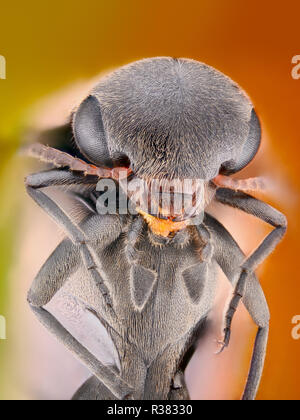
(90, 134)
(249, 150)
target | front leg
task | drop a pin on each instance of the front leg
(58, 268)
(268, 214)
(229, 256)
(78, 237)
(62, 263)
(107, 376)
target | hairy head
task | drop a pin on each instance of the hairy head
(168, 118)
(164, 119)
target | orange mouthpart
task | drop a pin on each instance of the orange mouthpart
(162, 227)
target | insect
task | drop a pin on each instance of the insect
(150, 276)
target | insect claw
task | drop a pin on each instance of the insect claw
(224, 343)
(223, 346)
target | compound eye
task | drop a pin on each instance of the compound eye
(249, 150)
(90, 134)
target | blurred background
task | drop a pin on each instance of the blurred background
(51, 45)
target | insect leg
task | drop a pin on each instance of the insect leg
(106, 375)
(55, 177)
(93, 390)
(265, 212)
(230, 258)
(76, 235)
(61, 264)
(141, 278)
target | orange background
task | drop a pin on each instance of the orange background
(52, 43)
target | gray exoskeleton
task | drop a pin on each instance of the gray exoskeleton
(150, 276)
